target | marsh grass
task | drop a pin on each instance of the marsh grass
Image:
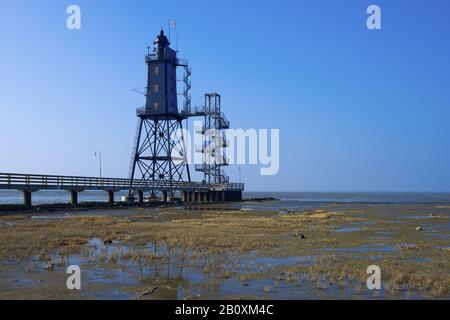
(212, 241)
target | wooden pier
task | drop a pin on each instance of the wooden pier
(191, 192)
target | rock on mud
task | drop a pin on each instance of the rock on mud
(149, 291)
(49, 266)
(107, 241)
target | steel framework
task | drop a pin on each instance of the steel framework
(159, 157)
(159, 153)
(214, 140)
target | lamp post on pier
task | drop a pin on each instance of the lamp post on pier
(98, 153)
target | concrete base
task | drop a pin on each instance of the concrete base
(74, 197)
(233, 196)
(111, 197)
(140, 198)
(27, 198)
(211, 196)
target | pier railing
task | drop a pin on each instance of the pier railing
(54, 182)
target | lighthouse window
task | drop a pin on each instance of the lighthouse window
(156, 87)
(156, 70)
(156, 105)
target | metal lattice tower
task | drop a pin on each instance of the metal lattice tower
(214, 140)
(159, 157)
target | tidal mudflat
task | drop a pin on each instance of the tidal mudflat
(229, 252)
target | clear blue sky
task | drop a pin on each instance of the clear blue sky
(357, 110)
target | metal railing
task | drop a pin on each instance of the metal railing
(182, 62)
(53, 182)
(223, 122)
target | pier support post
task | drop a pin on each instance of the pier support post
(165, 196)
(140, 195)
(210, 197)
(222, 196)
(205, 197)
(110, 197)
(27, 198)
(74, 197)
(183, 196)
